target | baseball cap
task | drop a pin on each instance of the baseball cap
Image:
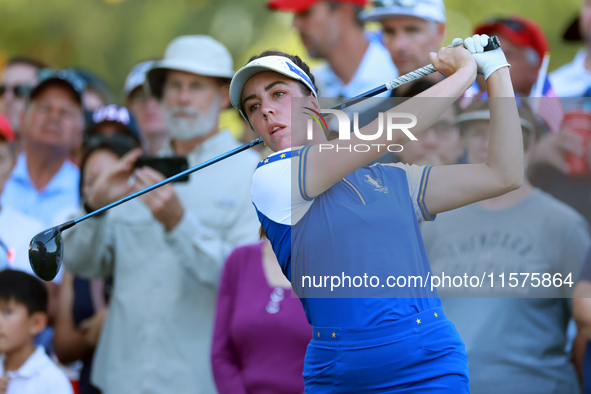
(298, 6)
(137, 76)
(280, 64)
(479, 110)
(432, 10)
(522, 32)
(197, 54)
(67, 77)
(6, 131)
(113, 114)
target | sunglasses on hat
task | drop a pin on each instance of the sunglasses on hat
(70, 76)
(392, 3)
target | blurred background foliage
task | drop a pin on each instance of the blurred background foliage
(110, 36)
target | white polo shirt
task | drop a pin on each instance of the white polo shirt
(38, 375)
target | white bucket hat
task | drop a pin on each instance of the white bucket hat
(280, 64)
(201, 55)
(432, 10)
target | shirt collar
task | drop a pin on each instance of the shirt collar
(63, 179)
(30, 368)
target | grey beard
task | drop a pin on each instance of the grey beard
(197, 126)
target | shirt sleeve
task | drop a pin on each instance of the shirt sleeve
(417, 178)
(278, 187)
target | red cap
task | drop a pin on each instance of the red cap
(6, 131)
(521, 32)
(298, 6)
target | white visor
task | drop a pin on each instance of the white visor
(279, 64)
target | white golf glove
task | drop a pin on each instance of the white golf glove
(489, 61)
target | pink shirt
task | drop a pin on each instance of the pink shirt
(260, 334)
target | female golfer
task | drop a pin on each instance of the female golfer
(327, 212)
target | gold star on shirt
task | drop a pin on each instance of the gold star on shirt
(266, 161)
(334, 335)
(435, 314)
(318, 334)
(418, 321)
(282, 156)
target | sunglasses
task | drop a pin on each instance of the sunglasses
(392, 3)
(512, 24)
(19, 91)
(68, 75)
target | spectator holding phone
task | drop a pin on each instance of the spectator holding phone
(166, 249)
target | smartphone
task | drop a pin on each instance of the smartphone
(167, 166)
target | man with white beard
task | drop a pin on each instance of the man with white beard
(165, 250)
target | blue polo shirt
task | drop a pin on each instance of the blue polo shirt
(365, 224)
(48, 205)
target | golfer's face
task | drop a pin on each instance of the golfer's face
(266, 99)
(409, 41)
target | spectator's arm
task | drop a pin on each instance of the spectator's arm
(224, 360)
(582, 307)
(203, 249)
(89, 247)
(68, 341)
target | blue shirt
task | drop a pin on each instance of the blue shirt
(365, 224)
(49, 204)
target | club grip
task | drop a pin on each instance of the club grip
(493, 43)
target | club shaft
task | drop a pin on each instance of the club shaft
(493, 43)
(393, 84)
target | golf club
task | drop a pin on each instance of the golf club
(46, 248)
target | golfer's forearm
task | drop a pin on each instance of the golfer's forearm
(325, 167)
(505, 149)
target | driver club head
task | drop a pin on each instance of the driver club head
(46, 251)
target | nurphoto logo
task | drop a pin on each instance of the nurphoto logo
(389, 122)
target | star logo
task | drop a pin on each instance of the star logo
(435, 314)
(334, 334)
(282, 156)
(418, 321)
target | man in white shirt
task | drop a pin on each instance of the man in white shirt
(332, 30)
(411, 30)
(574, 79)
(165, 249)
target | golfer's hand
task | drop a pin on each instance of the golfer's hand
(113, 183)
(449, 60)
(489, 61)
(91, 328)
(163, 201)
(4, 380)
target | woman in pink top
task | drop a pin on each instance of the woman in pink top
(261, 332)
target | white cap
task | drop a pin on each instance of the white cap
(201, 55)
(280, 64)
(484, 114)
(432, 10)
(137, 76)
